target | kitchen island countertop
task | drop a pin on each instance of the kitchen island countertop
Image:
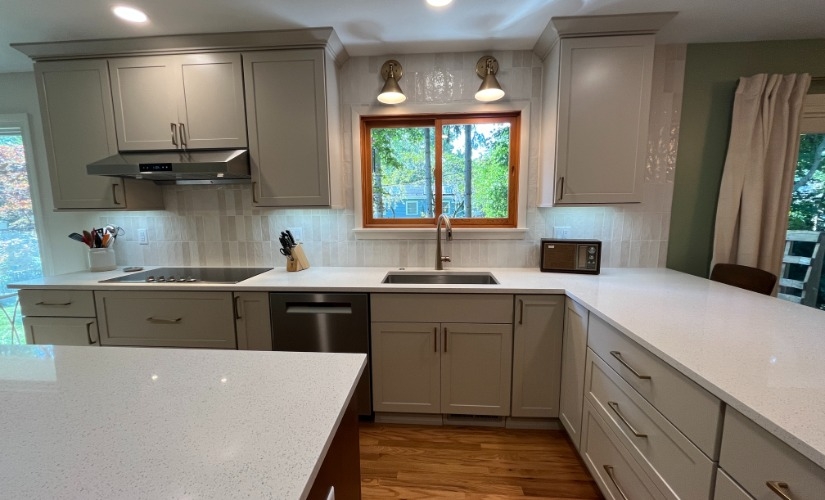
(763, 356)
(107, 422)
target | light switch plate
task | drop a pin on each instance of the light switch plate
(561, 232)
(143, 237)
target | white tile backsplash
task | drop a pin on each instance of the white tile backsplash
(217, 226)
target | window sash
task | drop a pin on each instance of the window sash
(438, 122)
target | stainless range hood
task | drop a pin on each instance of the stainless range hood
(177, 167)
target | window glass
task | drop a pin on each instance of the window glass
(402, 168)
(475, 169)
(19, 251)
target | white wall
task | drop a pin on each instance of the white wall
(207, 225)
(18, 94)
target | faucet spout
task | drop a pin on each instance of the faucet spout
(439, 259)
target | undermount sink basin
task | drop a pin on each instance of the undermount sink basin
(436, 278)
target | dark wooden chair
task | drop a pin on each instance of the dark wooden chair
(749, 278)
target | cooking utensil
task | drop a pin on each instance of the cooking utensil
(88, 239)
(98, 239)
(77, 237)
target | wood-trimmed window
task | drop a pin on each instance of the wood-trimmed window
(464, 165)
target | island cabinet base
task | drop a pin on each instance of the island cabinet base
(341, 467)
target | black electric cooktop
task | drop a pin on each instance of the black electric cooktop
(185, 275)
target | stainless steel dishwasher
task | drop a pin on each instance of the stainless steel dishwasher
(324, 322)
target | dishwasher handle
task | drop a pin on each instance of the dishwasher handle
(318, 308)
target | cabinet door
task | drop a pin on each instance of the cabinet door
(405, 367)
(476, 365)
(604, 103)
(166, 319)
(573, 366)
(252, 321)
(211, 104)
(537, 348)
(145, 91)
(286, 115)
(61, 331)
(78, 128)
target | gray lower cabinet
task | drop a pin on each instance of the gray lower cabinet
(537, 355)
(573, 365)
(252, 321)
(441, 353)
(293, 121)
(764, 466)
(78, 129)
(59, 317)
(166, 319)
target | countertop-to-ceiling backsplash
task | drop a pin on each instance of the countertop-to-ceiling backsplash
(217, 226)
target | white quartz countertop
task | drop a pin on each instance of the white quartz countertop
(108, 422)
(761, 355)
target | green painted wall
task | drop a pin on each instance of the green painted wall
(711, 75)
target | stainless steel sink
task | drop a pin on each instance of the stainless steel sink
(440, 278)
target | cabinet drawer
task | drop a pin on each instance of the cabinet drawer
(753, 457)
(442, 308)
(617, 474)
(727, 489)
(693, 410)
(166, 319)
(673, 463)
(60, 331)
(63, 303)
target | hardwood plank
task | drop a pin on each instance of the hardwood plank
(470, 463)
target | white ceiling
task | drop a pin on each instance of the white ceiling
(373, 27)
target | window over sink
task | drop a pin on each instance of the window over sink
(417, 167)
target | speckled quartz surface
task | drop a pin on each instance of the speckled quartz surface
(107, 422)
(763, 356)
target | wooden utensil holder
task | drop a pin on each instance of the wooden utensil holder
(298, 261)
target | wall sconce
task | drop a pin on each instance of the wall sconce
(391, 72)
(490, 90)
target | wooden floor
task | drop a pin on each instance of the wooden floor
(414, 462)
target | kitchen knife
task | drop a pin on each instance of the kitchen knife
(291, 239)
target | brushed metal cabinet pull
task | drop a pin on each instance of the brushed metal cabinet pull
(237, 306)
(618, 356)
(561, 188)
(182, 132)
(164, 321)
(89, 332)
(435, 339)
(254, 198)
(520, 311)
(615, 407)
(609, 470)
(781, 489)
(174, 133)
(114, 194)
(53, 303)
(445, 339)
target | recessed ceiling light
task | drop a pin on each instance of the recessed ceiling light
(130, 14)
(439, 3)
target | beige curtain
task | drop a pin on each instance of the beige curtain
(755, 194)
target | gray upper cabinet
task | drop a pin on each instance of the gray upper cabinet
(191, 101)
(293, 121)
(595, 120)
(79, 128)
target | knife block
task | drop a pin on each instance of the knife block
(299, 260)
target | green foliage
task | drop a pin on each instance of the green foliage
(808, 198)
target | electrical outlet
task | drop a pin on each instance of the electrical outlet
(561, 232)
(143, 237)
(297, 233)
